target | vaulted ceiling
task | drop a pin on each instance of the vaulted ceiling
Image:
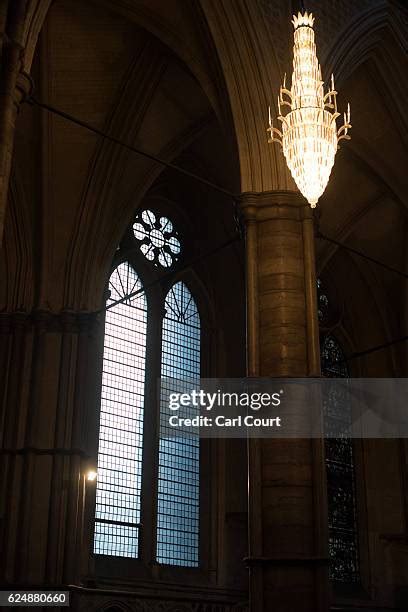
(191, 82)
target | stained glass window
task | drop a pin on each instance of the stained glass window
(341, 491)
(117, 514)
(179, 458)
(322, 302)
(158, 239)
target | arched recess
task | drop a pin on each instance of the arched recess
(363, 37)
(248, 59)
(115, 607)
(230, 52)
(372, 48)
(241, 79)
(156, 332)
(349, 566)
(114, 181)
(364, 320)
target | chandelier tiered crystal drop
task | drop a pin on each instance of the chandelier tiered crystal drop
(309, 135)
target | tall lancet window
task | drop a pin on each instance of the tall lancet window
(179, 458)
(117, 516)
(340, 465)
(148, 480)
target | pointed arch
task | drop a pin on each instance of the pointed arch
(117, 513)
(115, 607)
(247, 55)
(363, 38)
(179, 457)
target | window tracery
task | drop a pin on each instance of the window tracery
(130, 350)
(159, 241)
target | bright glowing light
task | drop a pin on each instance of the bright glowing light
(309, 135)
(91, 475)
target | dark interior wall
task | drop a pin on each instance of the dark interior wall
(71, 197)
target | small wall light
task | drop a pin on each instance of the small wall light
(91, 475)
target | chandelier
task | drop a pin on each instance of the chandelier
(309, 135)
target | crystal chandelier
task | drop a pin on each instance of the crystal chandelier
(309, 135)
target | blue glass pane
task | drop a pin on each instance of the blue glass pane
(179, 458)
(118, 488)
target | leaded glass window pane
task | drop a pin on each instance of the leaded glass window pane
(121, 419)
(343, 536)
(179, 457)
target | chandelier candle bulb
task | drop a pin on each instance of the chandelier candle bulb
(309, 135)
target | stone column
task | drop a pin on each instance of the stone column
(48, 414)
(288, 539)
(15, 86)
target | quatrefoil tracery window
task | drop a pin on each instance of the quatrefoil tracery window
(159, 241)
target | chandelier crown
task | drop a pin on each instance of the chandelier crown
(306, 19)
(309, 134)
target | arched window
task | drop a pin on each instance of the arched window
(340, 463)
(145, 333)
(340, 469)
(117, 515)
(179, 458)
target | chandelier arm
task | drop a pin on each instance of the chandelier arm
(273, 130)
(272, 140)
(343, 128)
(283, 119)
(331, 93)
(283, 90)
(275, 139)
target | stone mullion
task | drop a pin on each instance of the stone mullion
(151, 432)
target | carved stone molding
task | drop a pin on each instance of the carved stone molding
(92, 602)
(43, 321)
(268, 205)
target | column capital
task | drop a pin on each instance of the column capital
(269, 205)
